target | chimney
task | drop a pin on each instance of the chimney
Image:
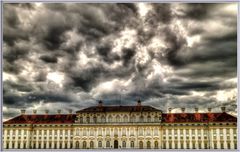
(100, 103)
(196, 110)
(23, 111)
(46, 112)
(70, 111)
(34, 111)
(223, 109)
(139, 102)
(209, 110)
(59, 111)
(169, 110)
(183, 110)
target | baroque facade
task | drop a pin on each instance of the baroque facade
(134, 127)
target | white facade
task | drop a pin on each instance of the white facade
(121, 130)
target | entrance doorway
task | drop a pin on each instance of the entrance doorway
(115, 144)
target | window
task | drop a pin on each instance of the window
(108, 132)
(132, 144)
(118, 118)
(100, 144)
(77, 131)
(95, 119)
(124, 132)
(103, 119)
(108, 144)
(141, 132)
(124, 144)
(205, 145)
(91, 132)
(156, 144)
(149, 118)
(140, 144)
(156, 119)
(88, 119)
(125, 118)
(148, 145)
(91, 144)
(222, 146)
(100, 131)
(187, 145)
(77, 144)
(84, 144)
(164, 145)
(176, 145)
(133, 118)
(155, 131)
(115, 131)
(215, 145)
(193, 145)
(228, 145)
(81, 119)
(199, 145)
(141, 118)
(110, 119)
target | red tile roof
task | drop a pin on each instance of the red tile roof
(166, 118)
(197, 117)
(43, 119)
(119, 109)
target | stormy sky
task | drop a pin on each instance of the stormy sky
(69, 56)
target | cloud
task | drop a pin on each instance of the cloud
(70, 55)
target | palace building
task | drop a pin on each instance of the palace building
(132, 127)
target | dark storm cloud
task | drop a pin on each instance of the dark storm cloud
(49, 59)
(197, 11)
(175, 43)
(160, 13)
(93, 51)
(128, 54)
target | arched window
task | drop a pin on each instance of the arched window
(103, 119)
(110, 118)
(94, 119)
(108, 144)
(148, 145)
(91, 144)
(132, 144)
(84, 144)
(141, 118)
(81, 119)
(125, 118)
(100, 144)
(133, 118)
(118, 118)
(156, 119)
(149, 118)
(140, 144)
(156, 144)
(124, 144)
(77, 145)
(88, 119)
